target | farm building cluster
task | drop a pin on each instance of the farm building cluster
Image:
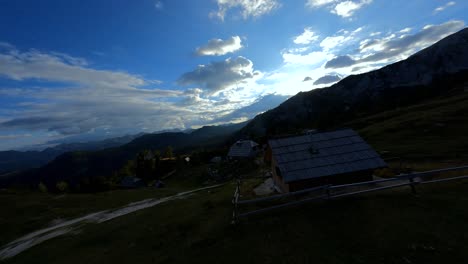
(300, 161)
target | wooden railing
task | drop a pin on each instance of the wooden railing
(331, 191)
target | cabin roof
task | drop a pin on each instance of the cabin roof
(323, 154)
(242, 148)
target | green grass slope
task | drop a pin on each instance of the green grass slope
(436, 129)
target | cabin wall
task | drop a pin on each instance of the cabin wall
(277, 179)
(354, 177)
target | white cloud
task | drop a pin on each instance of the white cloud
(311, 58)
(248, 8)
(341, 8)
(344, 38)
(395, 46)
(329, 59)
(347, 8)
(307, 37)
(217, 76)
(405, 30)
(62, 68)
(217, 47)
(442, 8)
(298, 50)
(74, 98)
(299, 64)
(332, 42)
(319, 3)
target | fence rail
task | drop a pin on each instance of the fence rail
(279, 196)
(327, 190)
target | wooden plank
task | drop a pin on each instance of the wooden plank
(402, 177)
(282, 206)
(364, 183)
(274, 197)
(444, 180)
(371, 190)
(431, 172)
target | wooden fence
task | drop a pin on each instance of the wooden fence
(327, 192)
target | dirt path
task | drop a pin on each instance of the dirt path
(19, 245)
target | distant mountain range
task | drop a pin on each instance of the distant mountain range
(12, 160)
(77, 165)
(434, 71)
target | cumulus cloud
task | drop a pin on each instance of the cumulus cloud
(406, 30)
(217, 76)
(443, 7)
(307, 37)
(217, 47)
(342, 38)
(341, 8)
(310, 62)
(248, 8)
(347, 8)
(73, 98)
(333, 41)
(327, 79)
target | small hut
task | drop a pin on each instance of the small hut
(243, 149)
(315, 159)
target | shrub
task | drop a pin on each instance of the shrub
(62, 186)
(42, 187)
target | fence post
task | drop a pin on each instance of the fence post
(328, 192)
(413, 188)
(235, 199)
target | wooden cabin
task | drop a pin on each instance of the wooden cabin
(320, 158)
(243, 149)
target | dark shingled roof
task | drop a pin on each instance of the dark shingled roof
(242, 148)
(323, 154)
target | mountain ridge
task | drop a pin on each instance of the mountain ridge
(422, 75)
(11, 160)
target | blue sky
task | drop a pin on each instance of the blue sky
(83, 70)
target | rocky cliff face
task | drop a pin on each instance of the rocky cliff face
(431, 72)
